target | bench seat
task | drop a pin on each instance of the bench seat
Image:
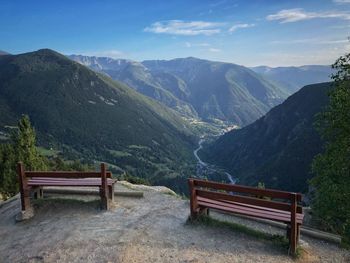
(249, 210)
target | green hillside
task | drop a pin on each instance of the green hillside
(278, 148)
(84, 114)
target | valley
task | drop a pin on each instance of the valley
(162, 138)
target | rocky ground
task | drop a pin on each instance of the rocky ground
(148, 229)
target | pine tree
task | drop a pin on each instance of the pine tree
(21, 149)
(24, 143)
(8, 176)
(332, 168)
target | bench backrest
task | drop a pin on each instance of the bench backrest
(63, 174)
(245, 194)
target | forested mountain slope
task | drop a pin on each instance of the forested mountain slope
(278, 148)
(88, 115)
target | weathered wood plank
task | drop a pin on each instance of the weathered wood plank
(104, 188)
(65, 174)
(23, 186)
(243, 199)
(293, 225)
(246, 189)
(271, 213)
(193, 199)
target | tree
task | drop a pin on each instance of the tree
(24, 142)
(8, 176)
(331, 203)
(22, 148)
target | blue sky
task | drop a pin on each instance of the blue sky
(260, 32)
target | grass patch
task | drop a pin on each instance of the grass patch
(278, 240)
(119, 154)
(47, 152)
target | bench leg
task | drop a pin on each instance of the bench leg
(38, 192)
(204, 211)
(288, 232)
(26, 200)
(104, 188)
(111, 192)
(298, 233)
(23, 187)
(193, 200)
(104, 199)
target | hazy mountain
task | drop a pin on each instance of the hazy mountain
(137, 76)
(88, 114)
(293, 78)
(278, 148)
(211, 90)
(3, 53)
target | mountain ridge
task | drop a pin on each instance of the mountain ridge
(278, 148)
(295, 77)
(190, 86)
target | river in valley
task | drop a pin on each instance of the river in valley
(208, 170)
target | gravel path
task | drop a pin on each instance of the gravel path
(149, 229)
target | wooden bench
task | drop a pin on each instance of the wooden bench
(248, 201)
(34, 181)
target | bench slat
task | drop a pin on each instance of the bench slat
(68, 182)
(261, 207)
(65, 174)
(252, 210)
(237, 210)
(246, 189)
(243, 199)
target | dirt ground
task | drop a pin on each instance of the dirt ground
(148, 229)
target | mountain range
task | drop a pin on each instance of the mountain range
(294, 78)
(86, 114)
(278, 148)
(3, 53)
(196, 87)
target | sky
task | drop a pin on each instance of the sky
(250, 33)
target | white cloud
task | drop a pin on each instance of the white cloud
(238, 26)
(189, 44)
(311, 41)
(341, 1)
(179, 27)
(214, 50)
(105, 53)
(298, 14)
(321, 56)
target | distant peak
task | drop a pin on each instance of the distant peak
(2, 53)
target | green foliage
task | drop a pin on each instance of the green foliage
(22, 149)
(261, 185)
(24, 140)
(332, 168)
(8, 175)
(59, 164)
(133, 179)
